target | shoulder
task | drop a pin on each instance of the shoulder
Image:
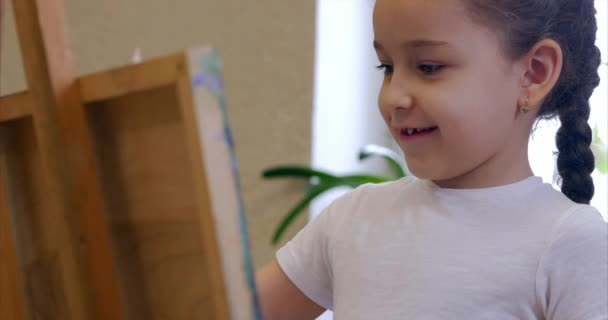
(554, 202)
(581, 234)
(572, 276)
(579, 223)
(560, 215)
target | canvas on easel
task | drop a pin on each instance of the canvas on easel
(119, 191)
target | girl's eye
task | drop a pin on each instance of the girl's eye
(387, 68)
(429, 68)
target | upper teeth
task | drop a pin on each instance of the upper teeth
(415, 130)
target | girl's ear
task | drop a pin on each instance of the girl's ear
(542, 68)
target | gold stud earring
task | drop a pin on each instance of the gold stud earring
(524, 107)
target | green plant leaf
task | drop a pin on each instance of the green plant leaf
(392, 158)
(353, 181)
(326, 181)
(600, 152)
(314, 192)
(297, 172)
(357, 180)
(602, 164)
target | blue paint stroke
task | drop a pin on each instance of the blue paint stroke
(210, 77)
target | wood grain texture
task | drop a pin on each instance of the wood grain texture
(132, 78)
(15, 106)
(34, 229)
(152, 206)
(12, 305)
(68, 164)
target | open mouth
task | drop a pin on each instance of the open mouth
(417, 131)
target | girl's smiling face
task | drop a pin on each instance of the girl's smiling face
(445, 71)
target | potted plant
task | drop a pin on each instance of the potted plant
(321, 181)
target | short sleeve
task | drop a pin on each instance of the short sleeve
(305, 260)
(572, 278)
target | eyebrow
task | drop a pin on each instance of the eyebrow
(414, 44)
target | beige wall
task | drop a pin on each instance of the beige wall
(267, 47)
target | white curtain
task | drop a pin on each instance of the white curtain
(345, 113)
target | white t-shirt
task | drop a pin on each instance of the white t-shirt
(409, 249)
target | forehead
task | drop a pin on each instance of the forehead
(404, 20)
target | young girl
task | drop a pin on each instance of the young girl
(475, 235)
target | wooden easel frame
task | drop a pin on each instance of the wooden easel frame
(58, 258)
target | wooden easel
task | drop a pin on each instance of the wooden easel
(106, 196)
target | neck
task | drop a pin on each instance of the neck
(485, 177)
(506, 167)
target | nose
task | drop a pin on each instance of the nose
(394, 98)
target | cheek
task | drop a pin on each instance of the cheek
(471, 122)
(478, 103)
(449, 108)
(384, 106)
(475, 121)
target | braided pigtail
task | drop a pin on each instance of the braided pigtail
(575, 161)
(572, 24)
(570, 101)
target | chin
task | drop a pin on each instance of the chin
(429, 171)
(426, 172)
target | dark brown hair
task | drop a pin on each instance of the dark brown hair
(572, 24)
